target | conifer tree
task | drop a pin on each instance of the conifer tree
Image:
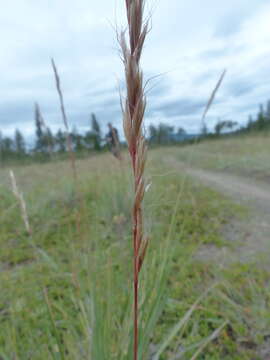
(19, 143)
(60, 141)
(261, 121)
(39, 146)
(267, 112)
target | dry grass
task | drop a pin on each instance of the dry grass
(88, 310)
(44, 127)
(133, 115)
(212, 96)
(65, 121)
(22, 204)
(115, 149)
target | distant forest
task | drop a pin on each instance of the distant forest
(48, 145)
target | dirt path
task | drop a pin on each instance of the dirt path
(241, 189)
(252, 235)
(249, 239)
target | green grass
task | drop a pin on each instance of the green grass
(243, 155)
(66, 293)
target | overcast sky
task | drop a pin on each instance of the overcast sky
(190, 44)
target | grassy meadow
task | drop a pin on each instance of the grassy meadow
(246, 155)
(66, 290)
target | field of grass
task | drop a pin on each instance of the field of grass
(244, 155)
(66, 291)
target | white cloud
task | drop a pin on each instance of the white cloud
(190, 44)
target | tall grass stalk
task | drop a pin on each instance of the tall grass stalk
(133, 115)
(44, 126)
(116, 148)
(65, 121)
(203, 123)
(21, 201)
(212, 96)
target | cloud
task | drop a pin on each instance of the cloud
(229, 25)
(240, 87)
(157, 86)
(180, 107)
(184, 56)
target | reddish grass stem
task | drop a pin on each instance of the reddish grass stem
(133, 115)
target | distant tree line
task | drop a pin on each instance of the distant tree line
(224, 125)
(261, 122)
(164, 134)
(47, 144)
(12, 147)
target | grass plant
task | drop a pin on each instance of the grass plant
(87, 311)
(84, 293)
(133, 114)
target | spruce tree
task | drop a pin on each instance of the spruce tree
(7, 147)
(267, 112)
(60, 141)
(261, 121)
(19, 143)
(250, 123)
(39, 146)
